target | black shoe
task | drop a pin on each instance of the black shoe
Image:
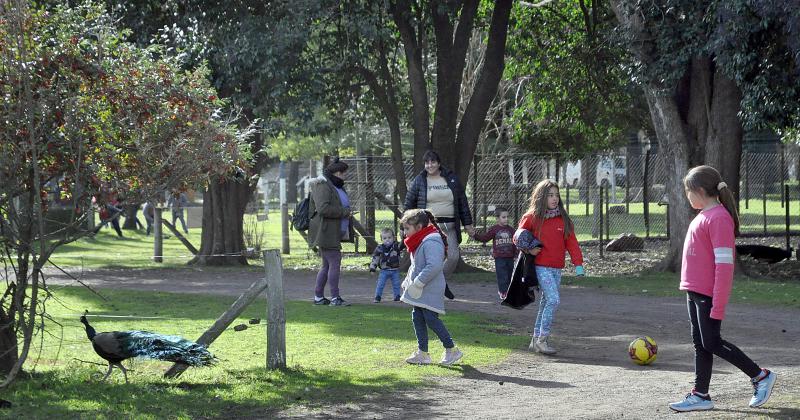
(397, 298)
(338, 301)
(377, 299)
(323, 301)
(447, 293)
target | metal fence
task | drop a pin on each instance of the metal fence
(632, 185)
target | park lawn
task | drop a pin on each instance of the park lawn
(745, 290)
(334, 355)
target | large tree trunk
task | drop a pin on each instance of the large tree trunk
(130, 217)
(474, 119)
(8, 343)
(705, 130)
(222, 241)
(696, 122)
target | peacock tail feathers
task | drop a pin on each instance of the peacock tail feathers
(170, 348)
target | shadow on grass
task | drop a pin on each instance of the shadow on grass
(51, 395)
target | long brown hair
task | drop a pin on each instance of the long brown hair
(709, 180)
(538, 206)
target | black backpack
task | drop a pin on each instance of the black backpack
(301, 219)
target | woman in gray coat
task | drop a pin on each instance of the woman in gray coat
(424, 285)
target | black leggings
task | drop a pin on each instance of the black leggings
(708, 342)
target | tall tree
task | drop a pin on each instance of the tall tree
(254, 50)
(710, 69)
(87, 115)
(451, 23)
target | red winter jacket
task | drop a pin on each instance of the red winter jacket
(554, 244)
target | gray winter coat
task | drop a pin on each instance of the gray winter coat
(426, 267)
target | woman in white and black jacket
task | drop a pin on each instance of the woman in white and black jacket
(439, 190)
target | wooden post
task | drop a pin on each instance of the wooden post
(276, 316)
(158, 242)
(600, 237)
(783, 171)
(607, 217)
(284, 217)
(223, 321)
(764, 201)
(746, 180)
(788, 221)
(180, 237)
(645, 194)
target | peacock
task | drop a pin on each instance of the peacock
(117, 346)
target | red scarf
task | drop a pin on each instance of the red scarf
(412, 242)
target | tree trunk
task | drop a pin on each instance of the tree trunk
(8, 343)
(291, 182)
(474, 119)
(222, 241)
(695, 122)
(719, 144)
(130, 217)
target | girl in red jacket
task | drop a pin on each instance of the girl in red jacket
(547, 219)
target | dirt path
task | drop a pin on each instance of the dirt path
(589, 378)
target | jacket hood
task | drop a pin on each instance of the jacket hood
(318, 180)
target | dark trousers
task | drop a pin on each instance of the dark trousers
(424, 319)
(708, 342)
(503, 267)
(329, 272)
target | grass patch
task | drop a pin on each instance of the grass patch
(334, 354)
(745, 290)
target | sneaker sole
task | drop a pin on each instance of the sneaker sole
(419, 363)
(769, 393)
(686, 410)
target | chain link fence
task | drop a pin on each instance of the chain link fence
(631, 183)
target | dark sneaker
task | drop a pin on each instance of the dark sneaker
(377, 299)
(397, 298)
(321, 301)
(338, 301)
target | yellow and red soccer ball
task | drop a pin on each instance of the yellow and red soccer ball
(643, 350)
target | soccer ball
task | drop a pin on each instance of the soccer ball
(643, 350)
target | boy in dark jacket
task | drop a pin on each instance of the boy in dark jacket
(387, 258)
(503, 249)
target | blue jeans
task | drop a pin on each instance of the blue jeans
(503, 267)
(549, 282)
(424, 319)
(394, 275)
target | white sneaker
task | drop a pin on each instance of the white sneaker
(542, 347)
(451, 356)
(419, 357)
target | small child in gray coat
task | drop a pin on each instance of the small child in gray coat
(424, 285)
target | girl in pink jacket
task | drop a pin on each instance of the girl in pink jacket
(707, 278)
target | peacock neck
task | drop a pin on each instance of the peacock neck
(90, 332)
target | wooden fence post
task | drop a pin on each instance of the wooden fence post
(276, 316)
(223, 321)
(158, 243)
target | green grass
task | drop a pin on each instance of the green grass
(334, 355)
(745, 290)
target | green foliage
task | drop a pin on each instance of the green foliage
(574, 97)
(754, 42)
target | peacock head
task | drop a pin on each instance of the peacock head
(90, 332)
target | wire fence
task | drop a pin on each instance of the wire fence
(631, 182)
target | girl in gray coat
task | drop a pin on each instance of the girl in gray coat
(424, 285)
